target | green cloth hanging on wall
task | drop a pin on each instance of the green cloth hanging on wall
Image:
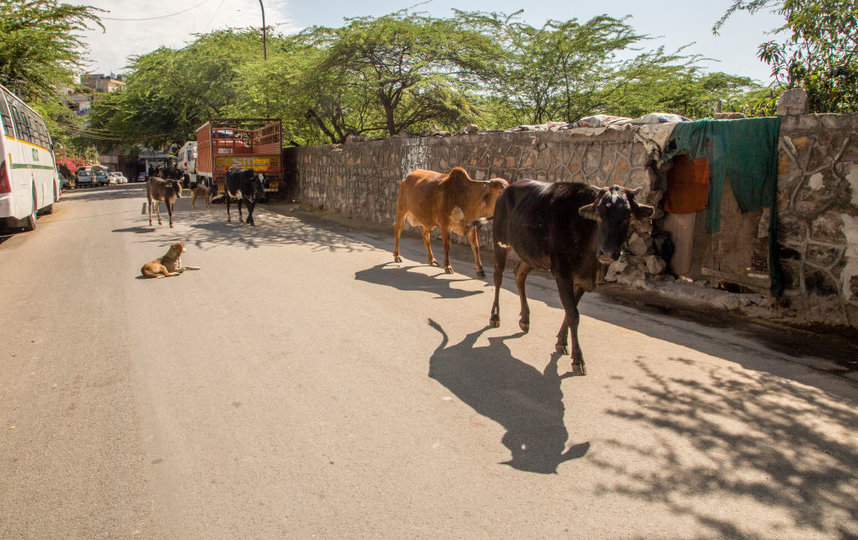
(747, 150)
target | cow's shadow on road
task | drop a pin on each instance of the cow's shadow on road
(398, 277)
(526, 402)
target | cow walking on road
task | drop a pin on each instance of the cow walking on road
(570, 229)
(244, 185)
(452, 202)
(163, 190)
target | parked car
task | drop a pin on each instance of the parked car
(85, 177)
(141, 177)
(102, 178)
(118, 178)
(64, 182)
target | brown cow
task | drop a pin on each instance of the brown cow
(451, 201)
(165, 190)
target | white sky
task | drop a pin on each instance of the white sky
(136, 27)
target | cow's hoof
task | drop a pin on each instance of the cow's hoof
(397, 259)
(434, 263)
(448, 269)
(562, 349)
(481, 273)
(582, 369)
(525, 326)
(494, 322)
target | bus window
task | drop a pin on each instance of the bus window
(20, 120)
(39, 131)
(6, 118)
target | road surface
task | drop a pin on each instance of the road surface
(303, 385)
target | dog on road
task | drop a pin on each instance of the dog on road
(169, 265)
(204, 193)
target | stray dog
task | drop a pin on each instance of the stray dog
(204, 193)
(169, 265)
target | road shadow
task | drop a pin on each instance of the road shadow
(399, 277)
(136, 230)
(105, 193)
(527, 403)
(756, 437)
(208, 228)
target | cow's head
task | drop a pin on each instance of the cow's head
(177, 188)
(613, 210)
(253, 188)
(491, 191)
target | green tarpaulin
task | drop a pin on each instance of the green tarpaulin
(747, 150)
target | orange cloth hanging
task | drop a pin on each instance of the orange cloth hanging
(687, 185)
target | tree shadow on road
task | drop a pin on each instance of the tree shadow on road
(400, 278)
(773, 446)
(527, 403)
(208, 229)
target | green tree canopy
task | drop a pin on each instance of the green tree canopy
(40, 47)
(408, 71)
(820, 53)
(416, 68)
(169, 92)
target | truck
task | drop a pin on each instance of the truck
(248, 143)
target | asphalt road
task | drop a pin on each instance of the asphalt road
(303, 385)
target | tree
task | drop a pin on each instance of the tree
(39, 44)
(317, 104)
(169, 93)
(565, 69)
(416, 68)
(820, 54)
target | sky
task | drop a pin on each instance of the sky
(133, 27)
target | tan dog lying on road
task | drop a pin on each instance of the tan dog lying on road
(204, 193)
(169, 265)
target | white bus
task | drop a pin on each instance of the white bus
(29, 182)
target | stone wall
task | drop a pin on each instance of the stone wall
(818, 221)
(361, 179)
(818, 195)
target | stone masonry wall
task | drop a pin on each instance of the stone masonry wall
(818, 220)
(362, 179)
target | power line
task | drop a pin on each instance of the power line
(158, 17)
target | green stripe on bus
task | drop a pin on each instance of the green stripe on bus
(25, 166)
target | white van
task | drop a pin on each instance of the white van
(85, 177)
(29, 182)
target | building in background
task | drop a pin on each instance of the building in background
(79, 99)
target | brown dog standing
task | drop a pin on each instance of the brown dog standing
(167, 266)
(204, 193)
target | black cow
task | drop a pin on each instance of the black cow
(244, 185)
(570, 229)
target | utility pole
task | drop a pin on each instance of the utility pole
(264, 33)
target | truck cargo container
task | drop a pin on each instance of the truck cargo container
(249, 143)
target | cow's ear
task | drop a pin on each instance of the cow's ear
(635, 192)
(588, 211)
(643, 211)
